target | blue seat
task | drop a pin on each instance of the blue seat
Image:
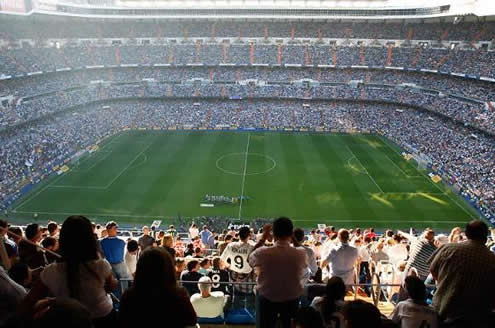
(239, 317)
(216, 320)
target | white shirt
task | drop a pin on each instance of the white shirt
(364, 253)
(238, 253)
(412, 315)
(208, 307)
(397, 253)
(130, 262)
(342, 260)
(93, 294)
(193, 232)
(11, 294)
(312, 265)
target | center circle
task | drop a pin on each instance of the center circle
(253, 163)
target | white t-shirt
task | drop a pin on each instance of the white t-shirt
(93, 294)
(238, 253)
(412, 315)
(209, 307)
(193, 232)
(130, 262)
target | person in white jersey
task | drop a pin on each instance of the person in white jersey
(414, 312)
(236, 253)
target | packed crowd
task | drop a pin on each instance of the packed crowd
(27, 150)
(467, 61)
(70, 275)
(465, 110)
(76, 29)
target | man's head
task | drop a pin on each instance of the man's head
(146, 230)
(193, 266)
(204, 285)
(50, 243)
(3, 227)
(299, 235)
(429, 235)
(359, 314)
(343, 236)
(132, 246)
(205, 228)
(244, 233)
(477, 230)
(415, 288)
(307, 317)
(111, 228)
(52, 228)
(282, 228)
(33, 232)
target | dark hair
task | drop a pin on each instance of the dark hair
(3, 224)
(155, 272)
(78, 245)
(48, 242)
(228, 237)
(191, 265)
(132, 245)
(19, 272)
(52, 227)
(299, 234)
(416, 289)
(17, 231)
(477, 230)
(361, 314)
(307, 317)
(244, 232)
(31, 230)
(282, 227)
(216, 263)
(204, 262)
(197, 250)
(334, 291)
(190, 246)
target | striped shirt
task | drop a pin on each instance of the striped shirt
(421, 251)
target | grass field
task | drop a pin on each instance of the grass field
(345, 180)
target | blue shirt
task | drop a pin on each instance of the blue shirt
(205, 235)
(113, 249)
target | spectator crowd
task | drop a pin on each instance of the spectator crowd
(84, 274)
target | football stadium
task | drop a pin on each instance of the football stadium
(270, 163)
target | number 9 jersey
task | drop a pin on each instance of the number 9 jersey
(236, 253)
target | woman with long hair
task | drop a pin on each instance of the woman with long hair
(329, 305)
(82, 274)
(155, 291)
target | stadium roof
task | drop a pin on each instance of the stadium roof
(258, 9)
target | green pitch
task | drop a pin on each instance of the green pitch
(344, 180)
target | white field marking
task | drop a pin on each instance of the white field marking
(141, 163)
(128, 165)
(350, 165)
(77, 187)
(112, 214)
(427, 178)
(102, 158)
(237, 173)
(37, 193)
(403, 172)
(244, 175)
(365, 170)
